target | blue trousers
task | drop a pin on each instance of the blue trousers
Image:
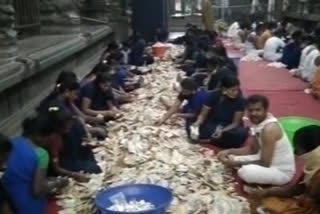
(233, 138)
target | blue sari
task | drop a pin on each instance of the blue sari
(18, 178)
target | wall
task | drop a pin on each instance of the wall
(30, 78)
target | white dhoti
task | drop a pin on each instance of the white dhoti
(255, 174)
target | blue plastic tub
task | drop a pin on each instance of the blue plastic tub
(159, 196)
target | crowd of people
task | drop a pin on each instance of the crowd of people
(297, 49)
(52, 147)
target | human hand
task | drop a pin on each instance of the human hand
(217, 134)
(114, 114)
(194, 129)
(62, 182)
(223, 156)
(176, 116)
(231, 163)
(80, 177)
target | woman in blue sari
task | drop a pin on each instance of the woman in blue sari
(25, 179)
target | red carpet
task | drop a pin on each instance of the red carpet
(53, 207)
(284, 91)
(257, 76)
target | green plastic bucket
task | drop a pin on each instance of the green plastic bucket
(293, 124)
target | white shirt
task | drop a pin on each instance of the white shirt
(271, 49)
(283, 156)
(305, 52)
(126, 56)
(233, 29)
(310, 67)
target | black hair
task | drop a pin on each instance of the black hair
(103, 78)
(5, 145)
(309, 39)
(260, 27)
(68, 85)
(257, 98)
(117, 56)
(188, 84)
(278, 33)
(244, 25)
(271, 25)
(229, 82)
(96, 69)
(125, 44)
(307, 138)
(57, 118)
(46, 123)
(66, 75)
(297, 35)
(188, 25)
(113, 46)
(35, 125)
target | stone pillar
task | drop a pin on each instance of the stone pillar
(97, 9)
(60, 16)
(8, 36)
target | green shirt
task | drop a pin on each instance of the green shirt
(43, 158)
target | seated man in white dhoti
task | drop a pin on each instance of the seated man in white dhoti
(270, 160)
(309, 46)
(273, 48)
(309, 68)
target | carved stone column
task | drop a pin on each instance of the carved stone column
(97, 9)
(60, 16)
(8, 36)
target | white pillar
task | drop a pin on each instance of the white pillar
(271, 5)
(254, 6)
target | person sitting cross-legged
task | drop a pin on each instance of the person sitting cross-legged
(302, 198)
(220, 121)
(195, 99)
(270, 161)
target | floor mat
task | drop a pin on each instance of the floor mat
(260, 77)
(290, 103)
(53, 208)
(286, 93)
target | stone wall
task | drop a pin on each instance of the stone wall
(29, 78)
